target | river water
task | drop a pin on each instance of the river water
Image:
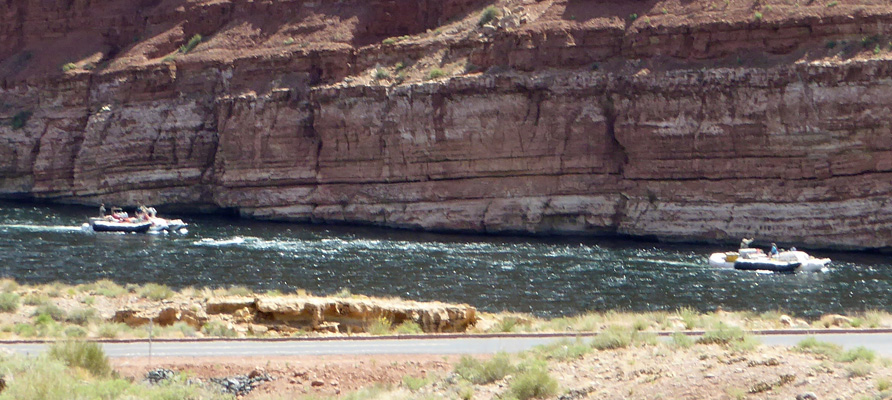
(544, 276)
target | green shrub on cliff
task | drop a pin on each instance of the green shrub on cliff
(69, 67)
(191, 44)
(20, 119)
(436, 73)
(9, 302)
(489, 14)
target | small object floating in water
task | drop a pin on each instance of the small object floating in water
(757, 260)
(145, 221)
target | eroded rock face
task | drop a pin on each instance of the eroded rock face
(289, 314)
(162, 314)
(795, 153)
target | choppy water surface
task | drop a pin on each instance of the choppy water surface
(548, 277)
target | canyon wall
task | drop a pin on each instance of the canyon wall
(564, 117)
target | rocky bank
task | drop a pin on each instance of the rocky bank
(692, 120)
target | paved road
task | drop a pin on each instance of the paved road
(879, 342)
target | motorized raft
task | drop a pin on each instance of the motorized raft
(757, 260)
(145, 221)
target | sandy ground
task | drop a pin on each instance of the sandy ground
(649, 372)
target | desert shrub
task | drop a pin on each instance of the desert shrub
(565, 349)
(415, 383)
(239, 291)
(344, 293)
(488, 15)
(378, 326)
(288, 41)
(75, 332)
(481, 373)
(36, 299)
(682, 341)
(757, 16)
(884, 384)
(859, 369)
(217, 329)
(68, 67)
(813, 346)
(20, 119)
(108, 288)
(859, 353)
(9, 302)
(82, 316)
(533, 382)
(399, 66)
(435, 73)
(616, 337)
(180, 328)
(633, 16)
(388, 41)
(408, 328)
(24, 330)
(722, 335)
(690, 317)
(156, 292)
(381, 73)
(108, 330)
(194, 41)
(8, 285)
(51, 310)
(86, 355)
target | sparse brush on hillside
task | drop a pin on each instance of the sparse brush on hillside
(191, 44)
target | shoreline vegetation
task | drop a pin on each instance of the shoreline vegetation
(75, 314)
(87, 311)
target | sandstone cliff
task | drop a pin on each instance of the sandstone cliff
(682, 121)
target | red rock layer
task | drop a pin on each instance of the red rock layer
(588, 121)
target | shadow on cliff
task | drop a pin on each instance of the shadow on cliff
(584, 10)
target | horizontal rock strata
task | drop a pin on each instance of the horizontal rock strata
(693, 129)
(287, 315)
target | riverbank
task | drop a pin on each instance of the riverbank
(106, 310)
(621, 359)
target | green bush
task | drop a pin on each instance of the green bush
(408, 328)
(682, 341)
(35, 299)
(108, 330)
(723, 335)
(69, 67)
(194, 41)
(489, 14)
(9, 302)
(859, 369)
(859, 353)
(813, 346)
(217, 329)
(435, 73)
(381, 73)
(86, 355)
(82, 316)
(614, 337)
(388, 41)
(533, 383)
(564, 350)
(24, 330)
(156, 292)
(633, 16)
(20, 119)
(481, 373)
(108, 288)
(75, 332)
(51, 310)
(413, 383)
(379, 326)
